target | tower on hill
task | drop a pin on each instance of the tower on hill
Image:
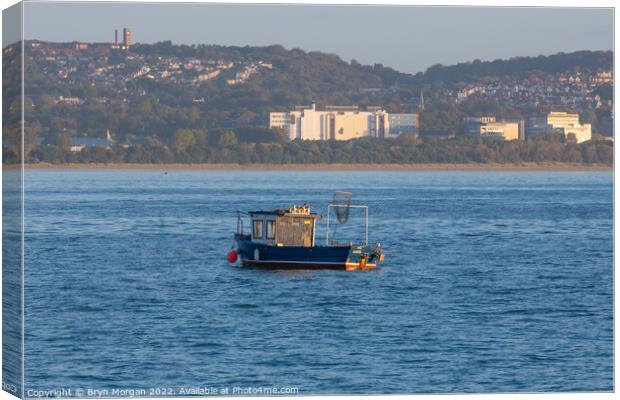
(126, 37)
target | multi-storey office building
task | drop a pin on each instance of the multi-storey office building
(559, 122)
(501, 130)
(471, 125)
(342, 123)
(403, 123)
(490, 127)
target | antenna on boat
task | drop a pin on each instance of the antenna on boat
(341, 204)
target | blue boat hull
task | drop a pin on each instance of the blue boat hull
(345, 257)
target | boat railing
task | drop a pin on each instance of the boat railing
(330, 206)
(240, 221)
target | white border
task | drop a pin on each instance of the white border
(483, 3)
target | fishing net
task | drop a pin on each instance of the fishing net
(342, 205)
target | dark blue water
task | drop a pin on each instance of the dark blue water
(493, 282)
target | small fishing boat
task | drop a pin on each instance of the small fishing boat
(285, 239)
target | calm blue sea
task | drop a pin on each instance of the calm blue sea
(493, 282)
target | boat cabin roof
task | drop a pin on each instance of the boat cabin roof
(299, 212)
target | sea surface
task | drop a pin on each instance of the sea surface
(492, 282)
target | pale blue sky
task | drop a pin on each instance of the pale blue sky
(407, 38)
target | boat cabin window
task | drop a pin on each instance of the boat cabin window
(271, 229)
(258, 228)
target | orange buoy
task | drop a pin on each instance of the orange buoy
(231, 256)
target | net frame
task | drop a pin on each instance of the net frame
(342, 205)
(339, 195)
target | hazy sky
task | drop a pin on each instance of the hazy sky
(407, 38)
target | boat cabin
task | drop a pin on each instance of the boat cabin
(284, 227)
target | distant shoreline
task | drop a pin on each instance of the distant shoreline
(545, 166)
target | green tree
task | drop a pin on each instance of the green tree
(228, 139)
(63, 140)
(183, 138)
(201, 137)
(408, 139)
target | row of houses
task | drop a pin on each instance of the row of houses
(79, 143)
(569, 89)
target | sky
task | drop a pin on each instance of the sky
(407, 38)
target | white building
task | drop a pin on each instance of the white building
(560, 122)
(488, 126)
(502, 130)
(70, 100)
(342, 123)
